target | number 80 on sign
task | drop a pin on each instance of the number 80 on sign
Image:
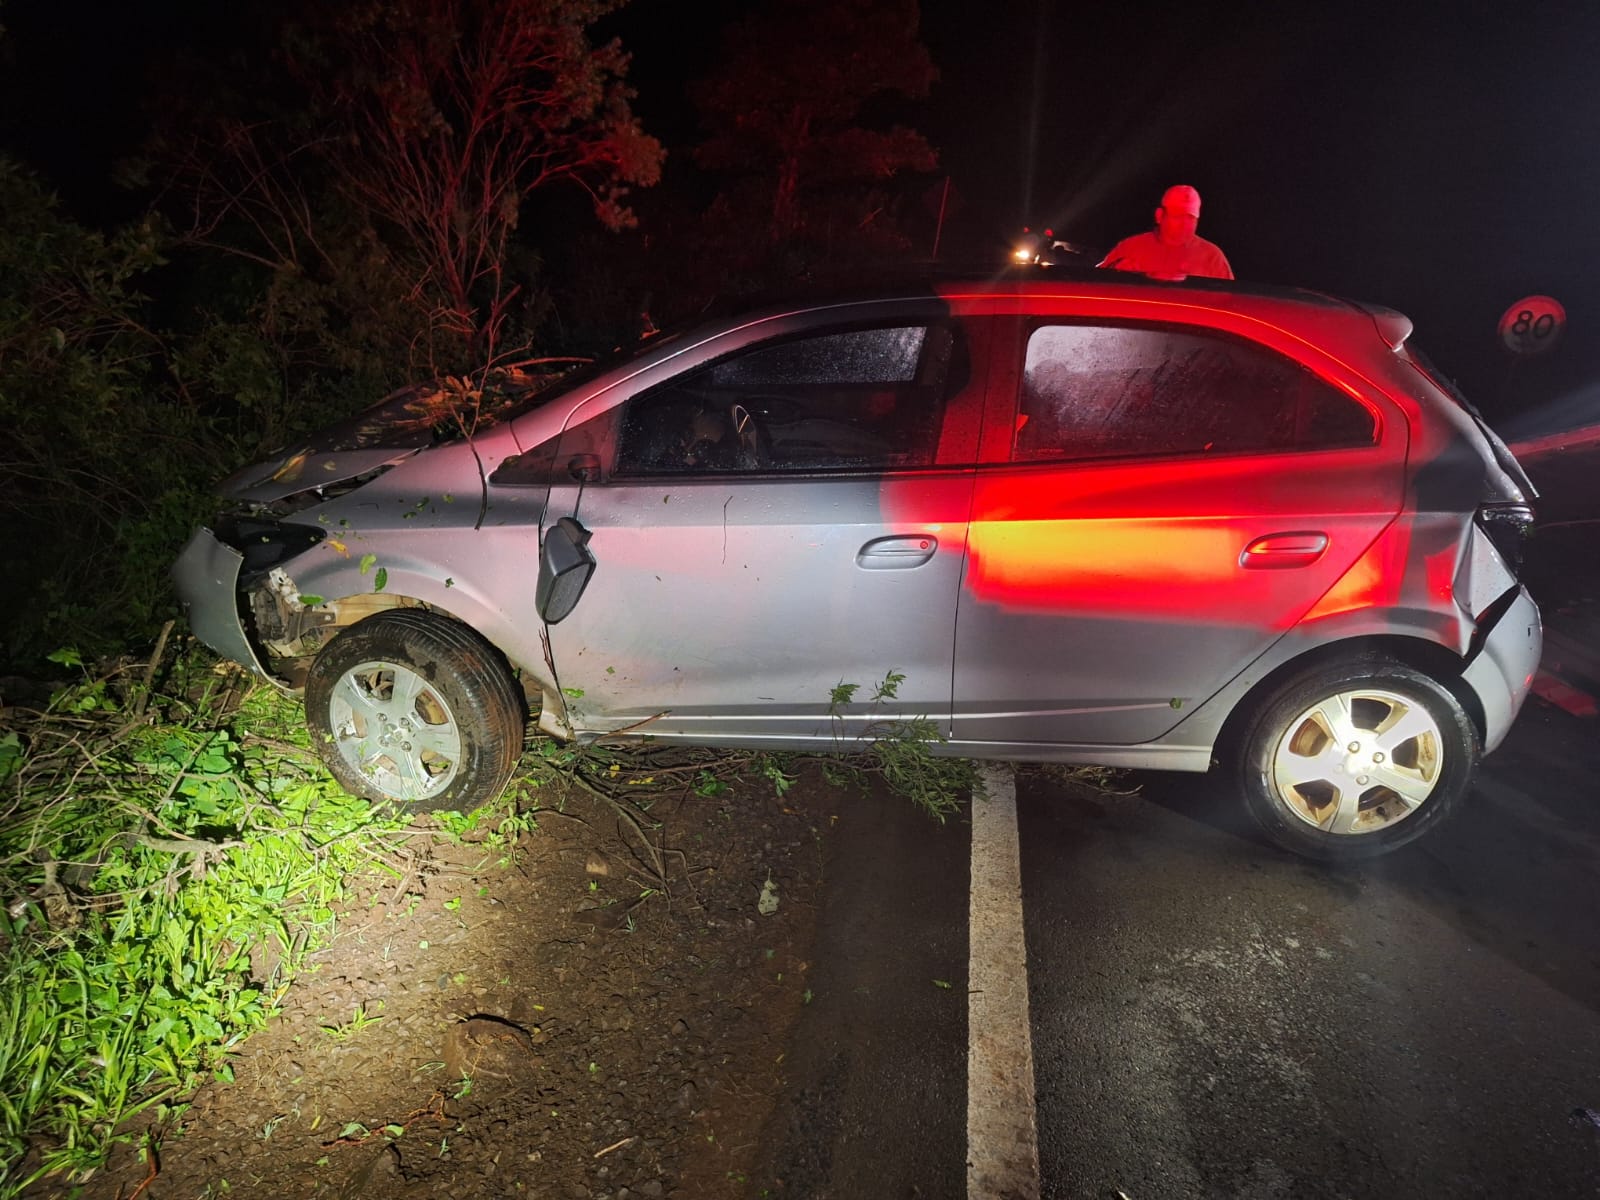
(1532, 325)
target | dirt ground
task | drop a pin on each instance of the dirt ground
(548, 1026)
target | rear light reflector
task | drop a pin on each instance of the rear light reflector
(1508, 526)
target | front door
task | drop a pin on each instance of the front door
(783, 520)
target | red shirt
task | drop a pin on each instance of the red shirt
(1146, 252)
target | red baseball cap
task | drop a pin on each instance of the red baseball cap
(1181, 198)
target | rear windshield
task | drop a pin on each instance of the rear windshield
(1440, 380)
(1503, 457)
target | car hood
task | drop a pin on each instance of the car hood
(306, 468)
(392, 430)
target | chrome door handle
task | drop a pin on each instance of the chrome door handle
(897, 553)
(1277, 550)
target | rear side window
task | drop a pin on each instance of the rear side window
(1101, 391)
(855, 399)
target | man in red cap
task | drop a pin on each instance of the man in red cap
(1172, 250)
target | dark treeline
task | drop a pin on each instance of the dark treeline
(338, 200)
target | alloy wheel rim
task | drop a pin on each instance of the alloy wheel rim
(1358, 761)
(395, 728)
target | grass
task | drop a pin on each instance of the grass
(901, 751)
(362, 1020)
(169, 856)
(167, 861)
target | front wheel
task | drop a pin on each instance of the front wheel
(1351, 762)
(414, 708)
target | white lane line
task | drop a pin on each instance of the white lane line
(1002, 1138)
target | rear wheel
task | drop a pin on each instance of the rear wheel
(1354, 761)
(415, 708)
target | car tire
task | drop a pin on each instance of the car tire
(1349, 762)
(417, 709)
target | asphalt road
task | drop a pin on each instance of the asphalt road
(875, 1105)
(1210, 1017)
(1213, 1018)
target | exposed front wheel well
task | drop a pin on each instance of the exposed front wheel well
(288, 635)
(415, 708)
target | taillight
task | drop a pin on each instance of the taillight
(1508, 526)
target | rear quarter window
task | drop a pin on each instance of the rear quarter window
(1102, 391)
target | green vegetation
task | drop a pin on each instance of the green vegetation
(117, 427)
(363, 1019)
(903, 751)
(170, 849)
(167, 860)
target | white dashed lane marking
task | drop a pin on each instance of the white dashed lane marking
(1002, 1134)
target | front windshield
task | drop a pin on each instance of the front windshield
(536, 390)
(446, 409)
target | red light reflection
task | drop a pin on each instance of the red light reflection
(1165, 538)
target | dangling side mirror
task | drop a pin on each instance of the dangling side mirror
(565, 565)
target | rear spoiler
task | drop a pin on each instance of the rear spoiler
(1393, 327)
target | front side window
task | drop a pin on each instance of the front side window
(856, 399)
(1100, 391)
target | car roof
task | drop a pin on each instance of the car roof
(930, 282)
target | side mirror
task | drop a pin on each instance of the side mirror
(565, 566)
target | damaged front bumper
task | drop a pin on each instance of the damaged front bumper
(206, 576)
(243, 604)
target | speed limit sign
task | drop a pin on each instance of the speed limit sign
(1532, 325)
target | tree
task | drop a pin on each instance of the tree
(408, 137)
(786, 125)
(105, 459)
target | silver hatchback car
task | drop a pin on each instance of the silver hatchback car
(1089, 519)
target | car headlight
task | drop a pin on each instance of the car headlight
(264, 543)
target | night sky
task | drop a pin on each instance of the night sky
(1439, 158)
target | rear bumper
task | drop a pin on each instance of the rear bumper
(1503, 671)
(206, 577)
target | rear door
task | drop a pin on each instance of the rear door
(1161, 502)
(783, 519)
